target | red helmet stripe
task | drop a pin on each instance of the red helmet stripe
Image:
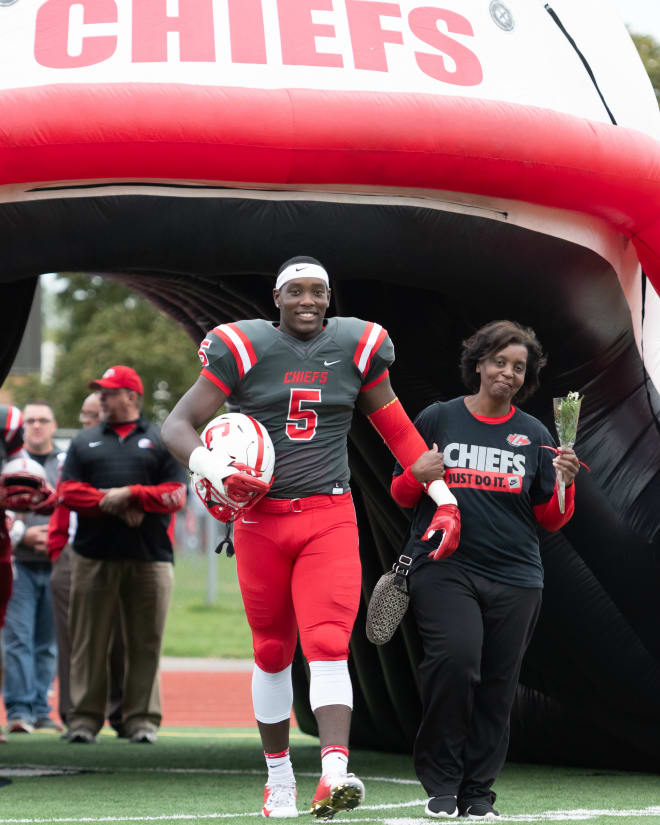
(260, 444)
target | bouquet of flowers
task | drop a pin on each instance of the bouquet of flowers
(567, 412)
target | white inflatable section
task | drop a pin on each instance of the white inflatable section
(470, 48)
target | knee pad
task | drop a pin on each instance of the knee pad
(330, 684)
(328, 641)
(270, 655)
(272, 695)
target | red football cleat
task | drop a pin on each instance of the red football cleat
(337, 793)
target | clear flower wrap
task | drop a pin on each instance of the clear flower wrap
(567, 412)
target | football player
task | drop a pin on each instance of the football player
(297, 548)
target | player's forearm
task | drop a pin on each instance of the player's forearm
(406, 490)
(193, 410)
(406, 444)
(180, 438)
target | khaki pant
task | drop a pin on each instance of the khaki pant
(60, 585)
(140, 592)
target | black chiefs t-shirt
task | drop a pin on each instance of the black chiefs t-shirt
(498, 470)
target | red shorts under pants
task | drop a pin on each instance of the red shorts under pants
(299, 569)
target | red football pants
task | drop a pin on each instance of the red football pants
(299, 569)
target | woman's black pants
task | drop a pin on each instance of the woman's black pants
(475, 632)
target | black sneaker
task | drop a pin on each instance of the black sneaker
(442, 807)
(46, 723)
(481, 810)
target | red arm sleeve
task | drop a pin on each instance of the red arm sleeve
(548, 515)
(167, 497)
(405, 489)
(58, 531)
(398, 432)
(81, 497)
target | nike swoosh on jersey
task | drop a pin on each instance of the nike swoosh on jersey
(95, 443)
(331, 363)
(245, 521)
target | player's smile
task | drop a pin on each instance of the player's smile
(302, 303)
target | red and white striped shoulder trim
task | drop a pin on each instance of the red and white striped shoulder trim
(372, 337)
(239, 345)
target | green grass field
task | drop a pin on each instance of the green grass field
(195, 628)
(201, 775)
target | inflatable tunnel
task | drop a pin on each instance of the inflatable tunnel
(450, 162)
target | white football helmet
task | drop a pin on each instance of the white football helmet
(243, 445)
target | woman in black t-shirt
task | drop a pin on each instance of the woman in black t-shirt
(476, 610)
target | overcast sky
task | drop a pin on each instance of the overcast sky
(641, 16)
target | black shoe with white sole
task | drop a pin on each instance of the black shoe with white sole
(442, 807)
(481, 810)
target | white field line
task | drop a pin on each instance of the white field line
(577, 815)
(21, 770)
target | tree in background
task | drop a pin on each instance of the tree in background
(649, 51)
(100, 322)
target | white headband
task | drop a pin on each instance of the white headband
(302, 270)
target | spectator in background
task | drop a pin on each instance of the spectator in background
(124, 485)
(61, 530)
(11, 443)
(30, 647)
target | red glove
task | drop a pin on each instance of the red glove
(447, 518)
(243, 487)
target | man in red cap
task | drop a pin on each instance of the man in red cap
(125, 485)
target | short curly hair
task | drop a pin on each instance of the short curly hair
(494, 337)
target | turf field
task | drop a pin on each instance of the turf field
(205, 774)
(201, 775)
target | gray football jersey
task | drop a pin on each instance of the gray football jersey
(303, 392)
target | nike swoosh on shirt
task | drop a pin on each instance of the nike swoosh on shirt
(331, 363)
(245, 521)
(95, 443)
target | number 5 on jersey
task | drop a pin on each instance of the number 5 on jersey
(301, 423)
